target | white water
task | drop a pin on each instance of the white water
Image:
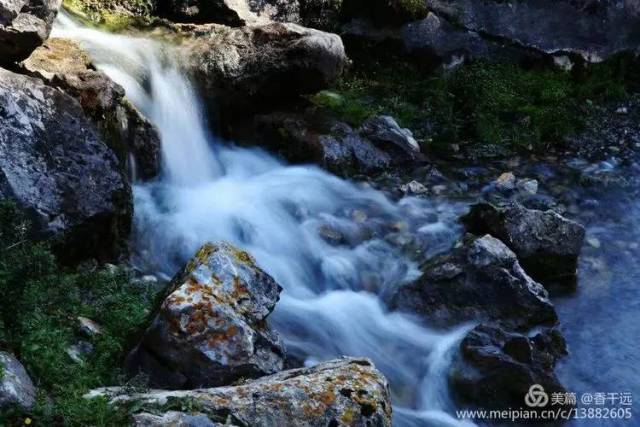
(332, 303)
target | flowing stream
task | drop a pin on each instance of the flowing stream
(333, 298)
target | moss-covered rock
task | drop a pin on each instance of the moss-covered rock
(114, 14)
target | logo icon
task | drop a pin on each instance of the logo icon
(536, 397)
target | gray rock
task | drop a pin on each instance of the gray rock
(64, 64)
(211, 328)
(258, 65)
(479, 280)
(24, 25)
(229, 12)
(340, 392)
(384, 130)
(547, 244)
(495, 369)
(16, 387)
(174, 419)
(337, 146)
(88, 327)
(55, 167)
(592, 29)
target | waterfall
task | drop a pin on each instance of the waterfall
(333, 298)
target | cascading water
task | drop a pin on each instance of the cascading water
(333, 298)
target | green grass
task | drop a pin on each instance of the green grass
(485, 104)
(40, 304)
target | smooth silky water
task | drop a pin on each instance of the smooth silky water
(333, 298)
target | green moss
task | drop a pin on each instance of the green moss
(39, 309)
(487, 104)
(113, 15)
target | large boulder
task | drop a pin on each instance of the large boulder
(63, 63)
(340, 392)
(261, 65)
(592, 29)
(24, 25)
(547, 244)
(211, 328)
(481, 279)
(53, 164)
(322, 14)
(495, 369)
(16, 388)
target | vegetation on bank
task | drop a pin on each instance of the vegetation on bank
(488, 104)
(38, 323)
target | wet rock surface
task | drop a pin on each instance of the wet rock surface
(64, 64)
(16, 388)
(345, 391)
(547, 244)
(211, 328)
(259, 65)
(495, 369)
(55, 167)
(24, 25)
(481, 279)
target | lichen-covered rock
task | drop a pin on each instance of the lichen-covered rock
(115, 14)
(63, 63)
(16, 388)
(24, 25)
(495, 369)
(481, 279)
(53, 164)
(229, 12)
(593, 29)
(547, 244)
(211, 328)
(261, 65)
(343, 392)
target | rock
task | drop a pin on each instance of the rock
(235, 13)
(321, 14)
(115, 14)
(77, 352)
(546, 243)
(506, 182)
(16, 387)
(594, 30)
(385, 131)
(335, 146)
(495, 369)
(173, 418)
(88, 327)
(528, 186)
(64, 64)
(211, 328)
(340, 392)
(414, 187)
(261, 65)
(24, 25)
(479, 280)
(55, 167)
